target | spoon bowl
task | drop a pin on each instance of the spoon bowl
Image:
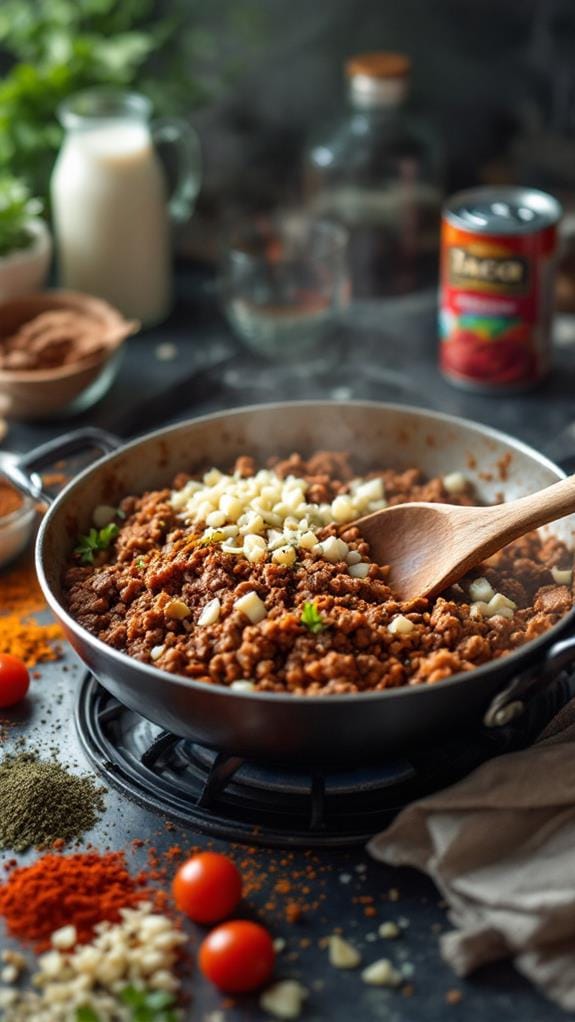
(431, 546)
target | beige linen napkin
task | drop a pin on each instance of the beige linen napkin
(500, 846)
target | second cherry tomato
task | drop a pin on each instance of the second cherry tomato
(207, 887)
(14, 680)
(237, 956)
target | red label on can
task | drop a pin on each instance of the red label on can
(496, 304)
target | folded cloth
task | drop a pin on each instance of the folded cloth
(500, 846)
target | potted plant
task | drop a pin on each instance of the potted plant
(25, 242)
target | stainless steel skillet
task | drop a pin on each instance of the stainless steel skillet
(347, 729)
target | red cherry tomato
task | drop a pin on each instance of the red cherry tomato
(207, 887)
(14, 680)
(237, 956)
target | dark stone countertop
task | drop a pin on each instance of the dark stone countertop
(390, 355)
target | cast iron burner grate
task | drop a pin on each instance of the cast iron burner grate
(225, 796)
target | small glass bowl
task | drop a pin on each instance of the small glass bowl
(16, 530)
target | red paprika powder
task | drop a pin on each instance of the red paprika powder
(61, 890)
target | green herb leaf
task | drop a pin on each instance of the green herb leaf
(140, 563)
(94, 540)
(149, 1005)
(86, 1014)
(311, 618)
(213, 537)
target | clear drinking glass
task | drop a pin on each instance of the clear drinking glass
(284, 285)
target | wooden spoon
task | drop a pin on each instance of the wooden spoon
(431, 546)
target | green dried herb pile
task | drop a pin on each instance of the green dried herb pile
(41, 803)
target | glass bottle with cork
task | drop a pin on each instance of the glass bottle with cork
(379, 173)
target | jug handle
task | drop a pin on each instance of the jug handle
(176, 132)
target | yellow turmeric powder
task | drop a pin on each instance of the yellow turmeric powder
(20, 600)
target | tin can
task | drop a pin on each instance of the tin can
(498, 254)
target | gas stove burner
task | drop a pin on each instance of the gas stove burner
(254, 803)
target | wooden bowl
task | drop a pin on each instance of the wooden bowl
(31, 394)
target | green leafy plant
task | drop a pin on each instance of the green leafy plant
(16, 209)
(58, 47)
(94, 540)
(312, 618)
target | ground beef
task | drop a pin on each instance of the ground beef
(122, 599)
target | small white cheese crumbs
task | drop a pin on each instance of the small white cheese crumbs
(243, 686)
(345, 878)
(358, 570)
(210, 613)
(400, 625)
(284, 999)
(251, 605)
(499, 605)
(12, 957)
(342, 954)
(8, 997)
(382, 974)
(333, 549)
(103, 514)
(9, 974)
(500, 602)
(389, 930)
(64, 938)
(156, 652)
(455, 482)
(177, 610)
(284, 555)
(562, 577)
(481, 590)
(274, 509)
(342, 509)
(279, 945)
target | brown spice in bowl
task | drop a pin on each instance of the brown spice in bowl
(53, 338)
(10, 498)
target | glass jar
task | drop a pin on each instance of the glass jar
(378, 171)
(110, 200)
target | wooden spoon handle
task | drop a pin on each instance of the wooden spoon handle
(509, 521)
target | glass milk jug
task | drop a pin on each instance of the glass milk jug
(110, 202)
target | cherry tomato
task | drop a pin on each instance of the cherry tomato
(207, 887)
(237, 956)
(14, 680)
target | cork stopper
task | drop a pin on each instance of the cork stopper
(378, 65)
(378, 79)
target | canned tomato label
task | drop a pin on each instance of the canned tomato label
(498, 249)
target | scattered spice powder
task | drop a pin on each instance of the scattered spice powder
(20, 633)
(42, 803)
(68, 890)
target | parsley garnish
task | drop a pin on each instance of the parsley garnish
(311, 618)
(212, 537)
(150, 1005)
(96, 539)
(140, 563)
(146, 1006)
(86, 1014)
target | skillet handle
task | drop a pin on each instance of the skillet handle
(511, 702)
(22, 469)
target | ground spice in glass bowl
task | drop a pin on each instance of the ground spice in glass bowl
(17, 515)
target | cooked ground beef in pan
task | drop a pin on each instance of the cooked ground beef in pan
(261, 580)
